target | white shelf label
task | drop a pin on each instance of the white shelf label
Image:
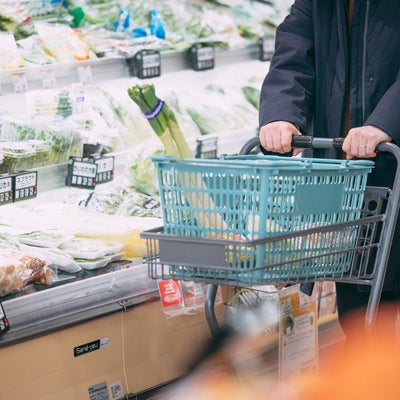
(48, 78)
(85, 74)
(20, 82)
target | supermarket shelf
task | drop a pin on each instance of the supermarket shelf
(41, 312)
(104, 69)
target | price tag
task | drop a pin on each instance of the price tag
(148, 64)
(105, 169)
(207, 147)
(85, 74)
(20, 82)
(48, 78)
(6, 189)
(4, 324)
(202, 57)
(267, 48)
(25, 185)
(81, 173)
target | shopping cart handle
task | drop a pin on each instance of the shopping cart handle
(301, 141)
(310, 142)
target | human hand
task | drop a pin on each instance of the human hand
(361, 142)
(277, 137)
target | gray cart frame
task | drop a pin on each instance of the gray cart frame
(370, 255)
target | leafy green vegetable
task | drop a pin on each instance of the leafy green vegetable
(143, 171)
(252, 95)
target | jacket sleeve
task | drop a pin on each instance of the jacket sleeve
(287, 90)
(386, 115)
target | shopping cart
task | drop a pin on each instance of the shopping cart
(252, 219)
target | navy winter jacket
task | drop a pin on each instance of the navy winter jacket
(317, 60)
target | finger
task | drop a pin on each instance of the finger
(370, 149)
(283, 141)
(269, 142)
(346, 147)
(267, 134)
(262, 137)
(297, 151)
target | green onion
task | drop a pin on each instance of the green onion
(164, 122)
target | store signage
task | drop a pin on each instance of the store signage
(4, 324)
(24, 185)
(202, 57)
(145, 64)
(91, 346)
(6, 189)
(105, 169)
(298, 335)
(81, 172)
(267, 48)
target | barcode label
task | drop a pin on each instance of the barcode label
(116, 391)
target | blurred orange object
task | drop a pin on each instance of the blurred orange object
(365, 367)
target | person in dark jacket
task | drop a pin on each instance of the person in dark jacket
(336, 72)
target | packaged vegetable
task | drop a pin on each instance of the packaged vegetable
(10, 57)
(17, 156)
(44, 238)
(90, 249)
(142, 171)
(55, 258)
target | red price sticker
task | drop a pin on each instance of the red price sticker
(170, 293)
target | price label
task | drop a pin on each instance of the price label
(6, 189)
(48, 78)
(20, 82)
(207, 147)
(81, 173)
(105, 169)
(4, 324)
(85, 74)
(148, 64)
(267, 48)
(202, 57)
(25, 185)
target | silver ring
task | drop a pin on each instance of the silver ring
(362, 145)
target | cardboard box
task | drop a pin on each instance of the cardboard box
(130, 351)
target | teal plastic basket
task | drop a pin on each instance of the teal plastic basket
(246, 198)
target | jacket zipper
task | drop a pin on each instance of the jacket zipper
(364, 64)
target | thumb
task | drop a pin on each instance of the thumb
(297, 151)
